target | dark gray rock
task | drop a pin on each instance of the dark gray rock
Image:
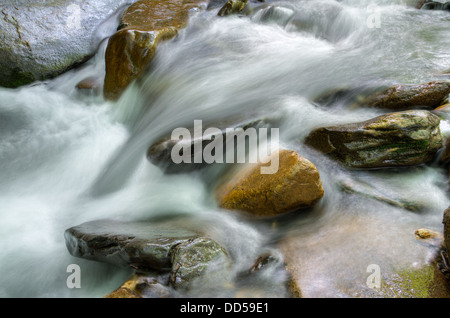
(160, 153)
(137, 244)
(166, 247)
(42, 39)
(399, 97)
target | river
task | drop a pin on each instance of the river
(67, 157)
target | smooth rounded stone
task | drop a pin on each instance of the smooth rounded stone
(143, 26)
(137, 244)
(294, 186)
(392, 140)
(42, 39)
(198, 259)
(429, 95)
(232, 7)
(160, 152)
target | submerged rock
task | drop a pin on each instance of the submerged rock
(143, 26)
(429, 95)
(364, 189)
(295, 185)
(42, 39)
(424, 282)
(393, 140)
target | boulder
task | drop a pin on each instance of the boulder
(392, 140)
(295, 185)
(149, 246)
(138, 244)
(130, 50)
(160, 152)
(42, 39)
(429, 95)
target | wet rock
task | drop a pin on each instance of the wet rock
(397, 139)
(144, 25)
(429, 95)
(425, 234)
(232, 7)
(160, 153)
(295, 185)
(136, 244)
(364, 189)
(434, 5)
(165, 247)
(191, 260)
(92, 83)
(42, 39)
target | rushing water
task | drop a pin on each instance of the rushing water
(68, 157)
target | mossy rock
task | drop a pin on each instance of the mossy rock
(393, 140)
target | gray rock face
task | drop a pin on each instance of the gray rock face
(41, 39)
(397, 139)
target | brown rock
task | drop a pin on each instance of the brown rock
(295, 185)
(141, 286)
(430, 95)
(444, 108)
(90, 83)
(143, 26)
